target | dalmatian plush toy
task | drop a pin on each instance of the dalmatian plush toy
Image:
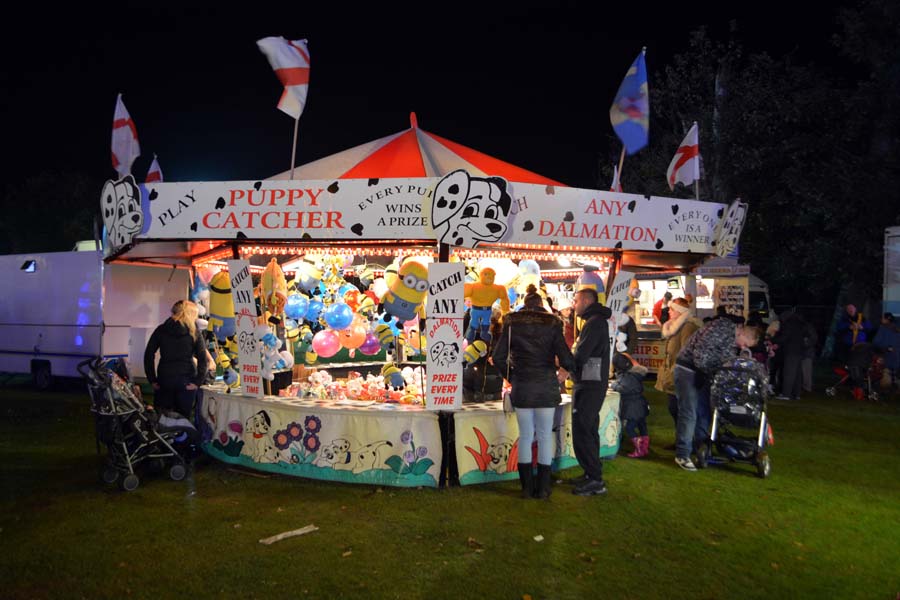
(122, 215)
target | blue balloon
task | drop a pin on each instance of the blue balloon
(296, 306)
(347, 287)
(339, 316)
(314, 310)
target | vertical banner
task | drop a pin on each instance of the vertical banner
(245, 322)
(617, 300)
(443, 325)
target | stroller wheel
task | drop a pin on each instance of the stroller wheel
(873, 396)
(109, 474)
(177, 472)
(830, 391)
(763, 465)
(702, 456)
(129, 483)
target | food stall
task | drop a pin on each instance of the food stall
(361, 402)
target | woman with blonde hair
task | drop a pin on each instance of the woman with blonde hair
(177, 376)
(676, 332)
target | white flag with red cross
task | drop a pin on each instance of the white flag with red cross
(125, 147)
(154, 173)
(685, 166)
(290, 60)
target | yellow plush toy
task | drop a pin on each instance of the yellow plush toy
(483, 295)
(273, 288)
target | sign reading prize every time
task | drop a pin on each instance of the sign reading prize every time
(444, 335)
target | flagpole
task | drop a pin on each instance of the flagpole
(294, 148)
(621, 162)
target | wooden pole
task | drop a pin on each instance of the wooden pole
(621, 162)
(294, 148)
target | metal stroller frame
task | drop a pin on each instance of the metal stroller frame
(130, 432)
(740, 395)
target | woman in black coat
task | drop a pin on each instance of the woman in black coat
(182, 359)
(530, 349)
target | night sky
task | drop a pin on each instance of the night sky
(528, 83)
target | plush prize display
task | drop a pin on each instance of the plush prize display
(474, 351)
(308, 274)
(221, 306)
(406, 297)
(483, 295)
(273, 288)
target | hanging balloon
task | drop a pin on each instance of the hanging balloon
(353, 336)
(338, 316)
(371, 345)
(326, 343)
(296, 306)
(314, 310)
(346, 288)
(351, 297)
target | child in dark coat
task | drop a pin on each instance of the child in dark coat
(633, 407)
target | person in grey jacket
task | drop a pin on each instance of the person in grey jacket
(588, 397)
(706, 351)
(530, 346)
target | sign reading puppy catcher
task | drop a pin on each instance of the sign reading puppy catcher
(444, 334)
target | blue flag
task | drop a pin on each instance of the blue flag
(630, 111)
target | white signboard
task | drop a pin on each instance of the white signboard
(245, 322)
(444, 331)
(444, 367)
(617, 299)
(446, 287)
(474, 212)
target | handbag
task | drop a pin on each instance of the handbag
(507, 394)
(592, 369)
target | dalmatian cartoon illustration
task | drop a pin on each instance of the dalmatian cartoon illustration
(444, 354)
(257, 441)
(122, 215)
(499, 452)
(340, 456)
(729, 229)
(466, 211)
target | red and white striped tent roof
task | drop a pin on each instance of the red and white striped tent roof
(413, 152)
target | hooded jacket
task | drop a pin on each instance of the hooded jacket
(709, 348)
(630, 385)
(177, 351)
(530, 356)
(593, 341)
(676, 331)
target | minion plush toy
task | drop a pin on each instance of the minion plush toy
(406, 296)
(483, 295)
(393, 377)
(308, 275)
(474, 351)
(221, 306)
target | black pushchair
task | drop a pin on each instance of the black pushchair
(864, 366)
(739, 395)
(132, 433)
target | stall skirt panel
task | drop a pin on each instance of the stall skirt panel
(401, 449)
(487, 440)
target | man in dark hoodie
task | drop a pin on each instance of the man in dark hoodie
(588, 397)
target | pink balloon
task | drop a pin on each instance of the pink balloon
(326, 343)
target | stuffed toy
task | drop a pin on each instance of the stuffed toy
(221, 306)
(474, 351)
(308, 274)
(406, 297)
(483, 295)
(393, 377)
(273, 288)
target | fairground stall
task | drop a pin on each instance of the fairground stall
(344, 305)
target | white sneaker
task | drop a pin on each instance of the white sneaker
(685, 463)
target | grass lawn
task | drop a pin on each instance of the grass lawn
(826, 524)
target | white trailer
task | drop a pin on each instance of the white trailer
(60, 308)
(891, 297)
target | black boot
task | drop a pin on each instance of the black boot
(526, 476)
(543, 482)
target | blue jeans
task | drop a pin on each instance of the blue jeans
(536, 423)
(693, 411)
(479, 325)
